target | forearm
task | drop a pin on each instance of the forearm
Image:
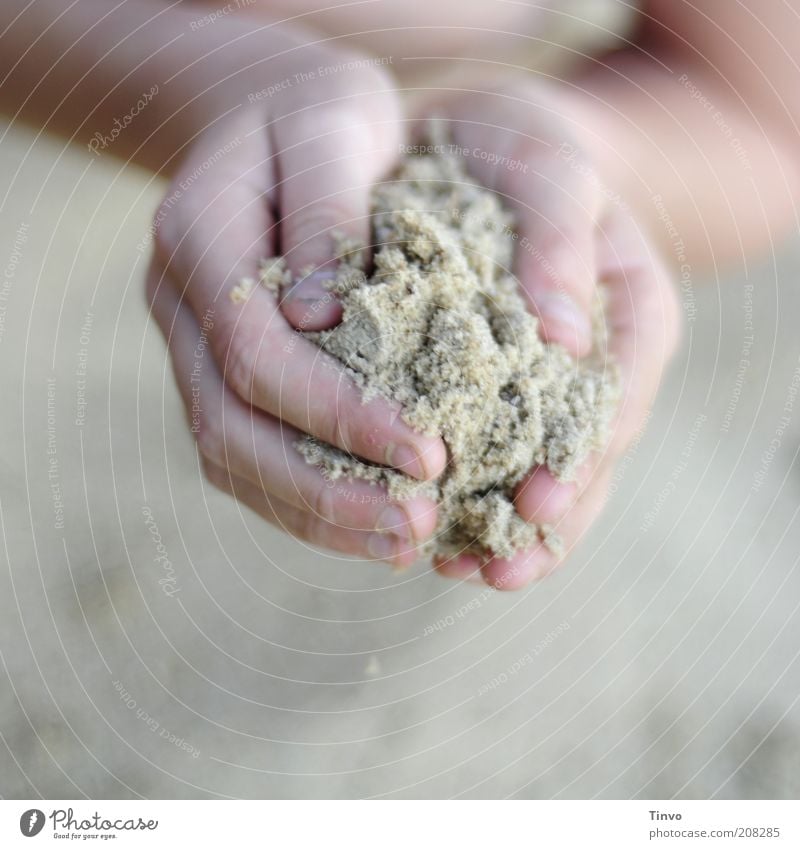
(142, 74)
(714, 182)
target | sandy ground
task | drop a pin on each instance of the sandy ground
(662, 662)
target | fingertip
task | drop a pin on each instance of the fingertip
(308, 304)
(434, 458)
(541, 499)
(413, 519)
(559, 277)
(462, 567)
(424, 458)
(409, 552)
(309, 315)
(423, 515)
(405, 558)
(564, 322)
(519, 571)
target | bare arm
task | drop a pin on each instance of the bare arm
(77, 68)
(701, 110)
(698, 121)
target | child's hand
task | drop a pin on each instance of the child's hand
(276, 176)
(573, 234)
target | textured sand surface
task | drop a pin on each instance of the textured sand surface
(440, 326)
(292, 672)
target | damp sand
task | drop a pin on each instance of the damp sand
(440, 325)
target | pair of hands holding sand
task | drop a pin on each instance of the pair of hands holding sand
(288, 168)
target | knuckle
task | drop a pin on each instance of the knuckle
(350, 435)
(328, 429)
(239, 363)
(360, 95)
(380, 91)
(353, 72)
(336, 426)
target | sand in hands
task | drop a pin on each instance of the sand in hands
(441, 326)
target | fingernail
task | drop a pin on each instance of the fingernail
(312, 287)
(407, 459)
(309, 305)
(395, 520)
(382, 546)
(560, 308)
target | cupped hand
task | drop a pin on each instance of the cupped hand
(574, 235)
(279, 174)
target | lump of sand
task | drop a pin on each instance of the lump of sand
(440, 325)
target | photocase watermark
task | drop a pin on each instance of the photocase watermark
(221, 12)
(315, 74)
(152, 723)
(679, 249)
(100, 141)
(185, 184)
(80, 370)
(168, 582)
(719, 120)
(525, 660)
(744, 359)
(66, 826)
(53, 466)
(206, 326)
(478, 153)
(10, 273)
(777, 438)
(679, 468)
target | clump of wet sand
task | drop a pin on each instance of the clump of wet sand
(440, 325)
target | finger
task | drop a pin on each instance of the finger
(330, 156)
(262, 450)
(259, 448)
(643, 319)
(266, 362)
(461, 567)
(542, 499)
(555, 260)
(216, 222)
(525, 567)
(306, 526)
(556, 201)
(643, 322)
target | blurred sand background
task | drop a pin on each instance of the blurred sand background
(663, 661)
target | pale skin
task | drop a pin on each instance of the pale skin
(599, 145)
